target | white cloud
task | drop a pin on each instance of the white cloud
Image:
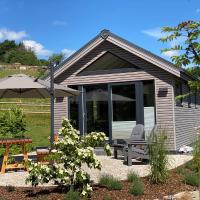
(6, 34)
(59, 23)
(198, 10)
(37, 48)
(156, 33)
(177, 41)
(170, 53)
(67, 52)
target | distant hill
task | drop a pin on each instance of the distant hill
(11, 52)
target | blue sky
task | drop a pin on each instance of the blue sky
(52, 26)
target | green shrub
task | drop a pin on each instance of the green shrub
(192, 179)
(13, 123)
(180, 170)
(69, 155)
(190, 165)
(10, 188)
(72, 195)
(196, 154)
(137, 188)
(110, 182)
(158, 157)
(132, 176)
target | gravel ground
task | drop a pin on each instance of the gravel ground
(109, 166)
(119, 170)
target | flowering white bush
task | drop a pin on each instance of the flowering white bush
(70, 153)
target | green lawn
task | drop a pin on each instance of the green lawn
(10, 71)
(38, 125)
(38, 128)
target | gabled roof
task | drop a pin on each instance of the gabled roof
(106, 35)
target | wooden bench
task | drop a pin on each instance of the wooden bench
(43, 152)
(7, 143)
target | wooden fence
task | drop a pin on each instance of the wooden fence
(33, 108)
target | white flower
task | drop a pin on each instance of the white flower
(88, 187)
(84, 193)
(54, 151)
(61, 171)
(107, 147)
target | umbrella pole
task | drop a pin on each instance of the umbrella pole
(52, 104)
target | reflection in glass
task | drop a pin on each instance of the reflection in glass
(149, 110)
(73, 111)
(124, 110)
(97, 108)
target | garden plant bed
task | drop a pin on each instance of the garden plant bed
(174, 185)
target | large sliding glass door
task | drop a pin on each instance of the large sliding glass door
(114, 108)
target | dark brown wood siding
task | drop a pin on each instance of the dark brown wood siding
(163, 79)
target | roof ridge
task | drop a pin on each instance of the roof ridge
(104, 34)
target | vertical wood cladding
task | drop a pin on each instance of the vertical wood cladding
(187, 118)
(163, 79)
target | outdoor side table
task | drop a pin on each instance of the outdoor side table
(8, 142)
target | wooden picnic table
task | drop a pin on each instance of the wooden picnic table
(14, 141)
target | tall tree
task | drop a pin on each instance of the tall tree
(189, 49)
(6, 46)
(186, 39)
(57, 58)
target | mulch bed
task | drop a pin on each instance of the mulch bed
(174, 185)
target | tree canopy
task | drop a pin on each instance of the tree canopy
(186, 39)
(10, 52)
(57, 58)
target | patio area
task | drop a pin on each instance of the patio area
(110, 165)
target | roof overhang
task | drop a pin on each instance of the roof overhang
(106, 35)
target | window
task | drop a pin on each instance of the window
(124, 102)
(148, 93)
(195, 99)
(73, 109)
(123, 110)
(149, 106)
(189, 98)
(107, 62)
(178, 91)
(97, 108)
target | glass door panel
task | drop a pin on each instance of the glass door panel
(97, 108)
(149, 107)
(123, 110)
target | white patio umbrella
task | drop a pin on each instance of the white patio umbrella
(23, 86)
